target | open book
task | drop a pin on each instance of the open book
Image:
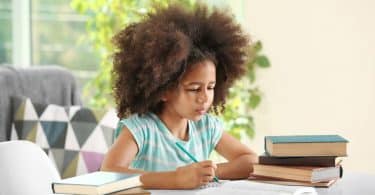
(240, 187)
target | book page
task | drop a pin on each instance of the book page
(246, 187)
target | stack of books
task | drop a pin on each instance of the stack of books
(307, 160)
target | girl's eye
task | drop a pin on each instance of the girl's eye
(194, 89)
(198, 89)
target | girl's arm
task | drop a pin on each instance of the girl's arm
(123, 151)
(240, 158)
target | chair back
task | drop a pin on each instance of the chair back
(25, 169)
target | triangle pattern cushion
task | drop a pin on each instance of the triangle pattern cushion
(96, 142)
(108, 135)
(13, 133)
(71, 142)
(84, 115)
(70, 161)
(82, 130)
(57, 155)
(73, 137)
(23, 128)
(92, 160)
(81, 166)
(54, 113)
(71, 168)
(55, 132)
(41, 138)
(72, 110)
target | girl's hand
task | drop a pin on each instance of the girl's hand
(195, 175)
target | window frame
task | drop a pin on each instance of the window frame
(21, 33)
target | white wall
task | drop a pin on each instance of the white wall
(322, 79)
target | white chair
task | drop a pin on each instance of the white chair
(25, 169)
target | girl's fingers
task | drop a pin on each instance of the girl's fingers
(204, 182)
(207, 178)
(208, 163)
(207, 171)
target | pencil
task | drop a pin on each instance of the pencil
(192, 157)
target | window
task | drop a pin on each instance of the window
(57, 33)
(49, 32)
(57, 38)
(5, 32)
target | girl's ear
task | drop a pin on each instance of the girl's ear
(165, 96)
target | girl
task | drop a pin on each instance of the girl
(170, 70)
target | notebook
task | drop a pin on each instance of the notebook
(212, 184)
(249, 187)
(240, 187)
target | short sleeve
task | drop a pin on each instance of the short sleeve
(134, 124)
(217, 129)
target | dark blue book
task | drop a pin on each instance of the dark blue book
(306, 145)
(100, 182)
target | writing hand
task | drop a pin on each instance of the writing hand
(195, 175)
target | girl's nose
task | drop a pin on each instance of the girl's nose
(203, 96)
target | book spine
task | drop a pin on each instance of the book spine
(328, 161)
(341, 171)
(53, 188)
(265, 145)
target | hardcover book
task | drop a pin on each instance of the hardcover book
(132, 191)
(323, 184)
(298, 173)
(322, 161)
(99, 182)
(306, 145)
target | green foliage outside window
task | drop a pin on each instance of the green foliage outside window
(108, 17)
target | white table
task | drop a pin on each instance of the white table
(350, 184)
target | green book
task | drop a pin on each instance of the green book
(306, 145)
(99, 182)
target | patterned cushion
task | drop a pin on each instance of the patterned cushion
(75, 138)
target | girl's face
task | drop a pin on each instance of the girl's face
(195, 93)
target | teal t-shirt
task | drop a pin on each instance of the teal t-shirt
(157, 145)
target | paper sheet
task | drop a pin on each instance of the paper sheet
(242, 187)
(246, 187)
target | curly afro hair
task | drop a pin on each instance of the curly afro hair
(152, 55)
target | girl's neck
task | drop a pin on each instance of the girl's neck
(175, 124)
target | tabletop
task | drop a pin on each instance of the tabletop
(351, 183)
